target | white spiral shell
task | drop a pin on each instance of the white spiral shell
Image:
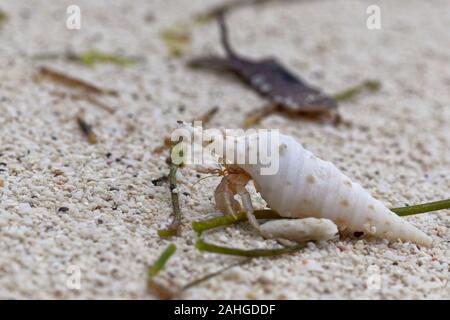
(306, 186)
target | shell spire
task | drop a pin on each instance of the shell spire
(306, 186)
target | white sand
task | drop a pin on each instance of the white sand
(398, 147)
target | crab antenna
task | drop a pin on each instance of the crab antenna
(224, 35)
(207, 177)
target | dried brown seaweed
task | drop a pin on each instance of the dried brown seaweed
(207, 116)
(72, 82)
(87, 97)
(345, 95)
(286, 91)
(87, 130)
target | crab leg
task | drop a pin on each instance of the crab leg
(248, 207)
(224, 198)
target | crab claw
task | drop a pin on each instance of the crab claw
(224, 198)
(231, 185)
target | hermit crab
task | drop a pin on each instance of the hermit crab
(299, 185)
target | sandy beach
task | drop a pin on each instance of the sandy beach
(66, 204)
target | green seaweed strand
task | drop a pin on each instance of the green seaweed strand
(422, 208)
(205, 246)
(200, 226)
(161, 262)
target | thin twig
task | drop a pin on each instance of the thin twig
(173, 291)
(256, 116)
(204, 118)
(211, 275)
(230, 6)
(86, 97)
(173, 228)
(178, 37)
(72, 82)
(99, 104)
(208, 115)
